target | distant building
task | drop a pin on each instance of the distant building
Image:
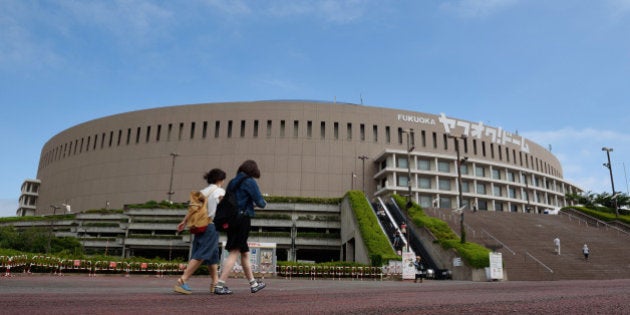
(303, 148)
(28, 198)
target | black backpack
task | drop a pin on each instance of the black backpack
(228, 214)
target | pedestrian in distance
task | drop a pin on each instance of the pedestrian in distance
(421, 271)
(205, 245)
(556, 243)
(585, 251)
(247, 195)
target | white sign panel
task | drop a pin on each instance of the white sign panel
(496, 265)
(408, 269)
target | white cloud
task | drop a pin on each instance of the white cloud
(476, 8)
(136, 20)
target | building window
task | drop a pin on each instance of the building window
(147, 137)
(349, 130)
(497, 191)
(482, 205)
(401, 162)
(204, 130)
(423, 134)
(481, 188)
(435, 145)
(117, 140)
(480, 171)
(400, 136)
(322, 130)
(424, 165)
(444, 166)
(229, 131)
(362, 132)
(512, 192)
(282, 127)
(465, 186)
(255, 131)
(269, 128)
(387, 135)
(137, 137)
(498, 206)
(192, 130)
(296, 128)
(242, 129)
(403, 181)
(445, 202)
(309, 129)
(375, 133)
(424, 183)
(496, 173)
(158, 133)
(217, 128)
(511, 177)
(463, 169)
(168, 134)
(128, 137)
(180, 133)
(336, 130)
(444, 184)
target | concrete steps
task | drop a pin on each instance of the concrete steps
(528, 248)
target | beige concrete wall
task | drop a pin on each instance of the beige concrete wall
(307, 165)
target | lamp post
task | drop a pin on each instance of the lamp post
(363, 158)
(409, 149)
(612, 182)
(460, 199)
(527, 191)
(170, 186)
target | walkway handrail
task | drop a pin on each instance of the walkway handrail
(538, 261)
(497, 240)
(583, 217)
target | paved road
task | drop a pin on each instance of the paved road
(80, 294)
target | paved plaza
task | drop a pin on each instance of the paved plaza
(80, 294)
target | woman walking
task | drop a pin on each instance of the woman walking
(247, 195)
(205, 246)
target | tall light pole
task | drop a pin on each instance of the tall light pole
(612, 182)
(409, 149)
(170, 186)
(460, 200)
(363, 158)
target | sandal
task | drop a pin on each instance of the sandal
(182, 287)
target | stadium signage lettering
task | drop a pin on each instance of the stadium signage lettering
(416, 119)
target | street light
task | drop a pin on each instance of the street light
(612, 182)
(460, 200)
(363, 158)
(409, 149)
(170, 186)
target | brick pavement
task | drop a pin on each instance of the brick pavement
(79, 294)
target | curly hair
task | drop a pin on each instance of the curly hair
(250, 168)
(214, 175)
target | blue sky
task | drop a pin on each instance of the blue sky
(556, 72)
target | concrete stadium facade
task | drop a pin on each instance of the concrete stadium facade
(303, 148)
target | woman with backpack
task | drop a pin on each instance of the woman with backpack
(247, 195)
(205, 243)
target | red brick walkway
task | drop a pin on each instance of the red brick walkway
(79, 294)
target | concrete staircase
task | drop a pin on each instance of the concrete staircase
(528, 249)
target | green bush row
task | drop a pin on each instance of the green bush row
(376, 242)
